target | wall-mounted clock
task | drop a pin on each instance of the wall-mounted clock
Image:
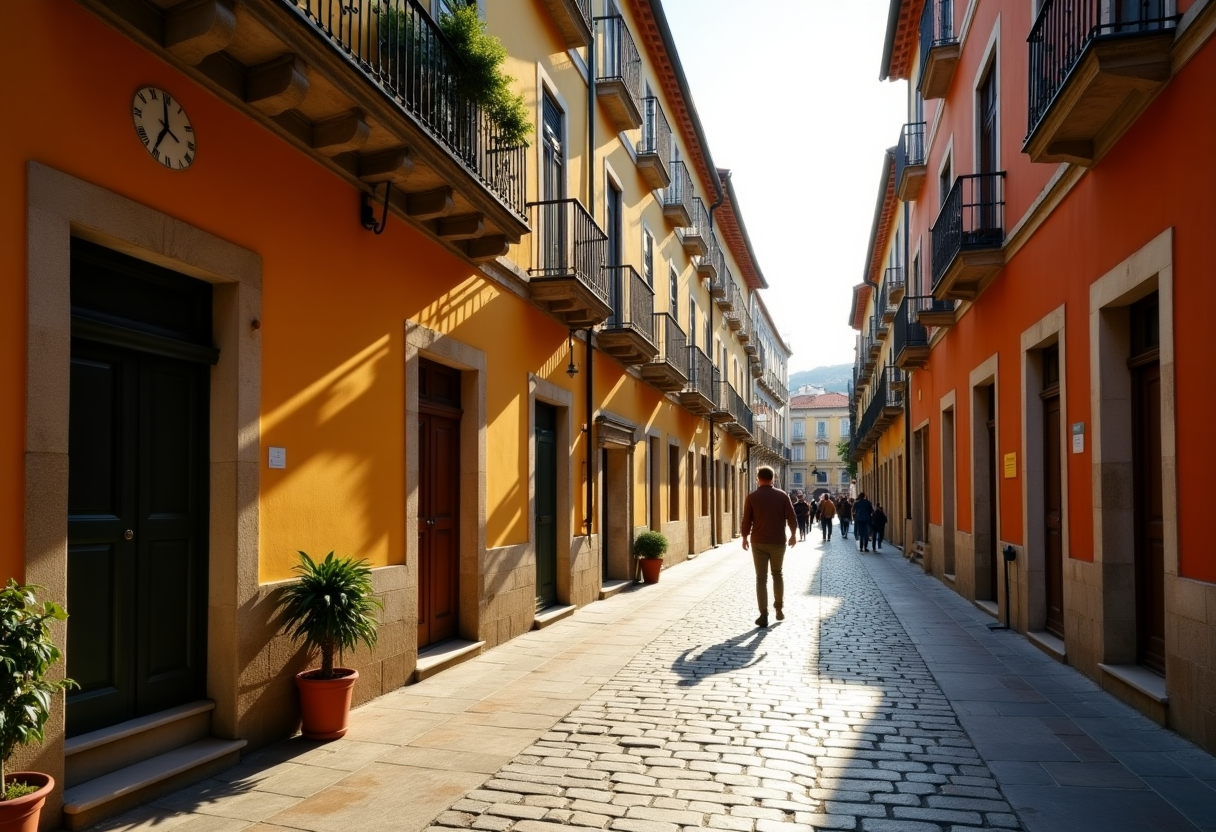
(163, 127)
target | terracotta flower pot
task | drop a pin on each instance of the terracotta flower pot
(21, 814)
(325, 703)
(651, 567)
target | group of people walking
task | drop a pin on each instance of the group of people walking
(869, 521)
(768, 513)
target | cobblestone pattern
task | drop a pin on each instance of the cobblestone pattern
(828, 720)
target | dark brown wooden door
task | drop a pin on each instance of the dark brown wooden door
(1053, 514)
(438, 503)
(546, 505)
(1150, 517)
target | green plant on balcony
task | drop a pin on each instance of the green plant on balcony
(479, 73)
(413, 63)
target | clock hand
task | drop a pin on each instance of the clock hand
(160, 138)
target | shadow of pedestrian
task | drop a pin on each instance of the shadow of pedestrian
(738, 653)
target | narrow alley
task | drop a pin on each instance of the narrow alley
(882, 702)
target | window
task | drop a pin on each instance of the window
(692, 322)
(844, 477)
(648, 257)
(442, 7)
(798, 453)
(844, 427)
(821, 477)
(821, 452)
(673, 483)
(821, 429)
(797, 478)
(674, 277)
(944, 180)
(799, 429)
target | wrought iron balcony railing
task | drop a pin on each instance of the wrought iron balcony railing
(399, 47)
(731, 402)
(908, 332)
(972, 217)
(911, 147)
(632, 301)
(678, 196)
(567, 243)
(1063, 30)
(885, 404)
(671, 341)
(702, 374)
(936, 28)
(619, 70)
(893, 280)
(654, 148)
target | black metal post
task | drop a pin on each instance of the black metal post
(1010, 555)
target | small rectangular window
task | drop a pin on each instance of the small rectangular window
(844, 427)
(821, 452)
(675, 292)
(673, 483)
(648, 257)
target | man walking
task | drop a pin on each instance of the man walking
(827, 510)
(767, 513)
(863, 512)
(879, 524)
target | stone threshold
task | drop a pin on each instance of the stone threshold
(1049, 644)
(551, 615)
(446, 654)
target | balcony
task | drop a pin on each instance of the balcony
(910, 343)
(628, 334)
(1094, 67)
(697, 236)
(937, 313)
(568, 277)
(654, 148)
(875, 340)
(699, 396)
(744, 332)
(886, 405)
(893, 292)
(910, 161)
(573, 19)
(337, 82)
(678, 198)
(968, 236)
(724, 291)
(882, 319)
(710, 265)
(618, 86)
(741, 421)
(668, 369)
(765, 441)
(939, 48)
(772, 384)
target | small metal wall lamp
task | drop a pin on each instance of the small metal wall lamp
(571, 368)
(367, 213)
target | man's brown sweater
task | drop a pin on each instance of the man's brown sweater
(767, 513)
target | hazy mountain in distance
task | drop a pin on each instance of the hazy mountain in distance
(834, 379)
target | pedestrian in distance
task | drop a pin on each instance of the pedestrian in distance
(803, 512)
(878, 526)
(813, 516)
(827, 510)
(767, 513)
(863, 512)
(844, 510)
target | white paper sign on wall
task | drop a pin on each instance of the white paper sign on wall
(1078, 437)
(278, 457)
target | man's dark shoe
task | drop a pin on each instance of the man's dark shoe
(762, 621)
(780, 614)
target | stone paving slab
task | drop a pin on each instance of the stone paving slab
(882, 702)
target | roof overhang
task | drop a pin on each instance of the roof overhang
(655, 34)
(885, 207)
(899, 47)
(857, 311)
(728, 222)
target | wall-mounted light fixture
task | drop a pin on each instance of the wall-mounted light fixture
(571, 368)
(367, 213)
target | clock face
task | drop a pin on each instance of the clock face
(163, 127)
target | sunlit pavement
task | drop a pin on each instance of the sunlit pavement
(882, 702)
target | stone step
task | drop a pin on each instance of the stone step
(446, 654)
(109, 794)
(117, 746)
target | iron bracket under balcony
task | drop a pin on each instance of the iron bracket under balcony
(1102, 95)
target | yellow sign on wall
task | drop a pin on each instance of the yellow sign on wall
(1011, 466)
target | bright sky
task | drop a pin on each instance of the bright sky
(789, 96)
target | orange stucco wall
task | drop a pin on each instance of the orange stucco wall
(1158, 176)
(335, 299)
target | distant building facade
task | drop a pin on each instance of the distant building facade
(817, 425)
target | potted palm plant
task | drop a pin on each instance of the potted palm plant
(332, 609)
(27, 653)
(649, 547)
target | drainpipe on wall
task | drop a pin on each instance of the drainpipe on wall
(590, 445)
(907, 397)
(713, 462)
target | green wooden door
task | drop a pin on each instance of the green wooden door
(546, 505)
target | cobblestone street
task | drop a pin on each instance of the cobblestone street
(665, 709)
